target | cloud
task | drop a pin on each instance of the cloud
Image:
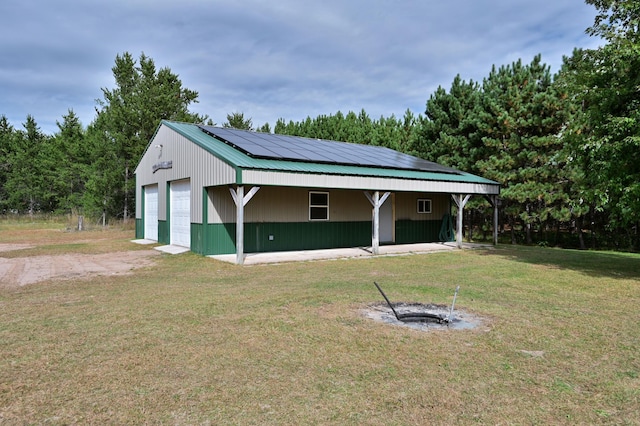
(286, 59)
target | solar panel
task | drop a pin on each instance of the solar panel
(294, 148)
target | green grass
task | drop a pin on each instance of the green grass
(194, 341)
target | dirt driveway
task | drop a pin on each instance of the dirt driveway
(20, 271)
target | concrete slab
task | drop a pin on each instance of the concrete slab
(343, 253)
(172, 249)
(144, 241)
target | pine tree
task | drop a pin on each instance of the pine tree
(520, 130)
(29, 178)
(236, 120)
(449, 133)
(73, 163)
(7, 144)
(130, 113)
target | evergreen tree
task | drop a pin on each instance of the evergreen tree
(7, 137)
(450, 133)
(280, 127)
(27, 184)
(521, 126)
(354, 128)
(236, 120)
(73, 163)
(366, 124)
(103, 194)
(407, 134)
(130, 113)
(386, 132)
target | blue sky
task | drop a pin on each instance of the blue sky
(273, 59)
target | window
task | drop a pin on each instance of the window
(318, 206)
(424, 205)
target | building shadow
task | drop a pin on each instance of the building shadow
(608, 264)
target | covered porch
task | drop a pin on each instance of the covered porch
(345, 253)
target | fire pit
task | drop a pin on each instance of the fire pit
(421, 316)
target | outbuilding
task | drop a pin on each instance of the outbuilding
(223, 191)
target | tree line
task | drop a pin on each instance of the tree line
(565, 147)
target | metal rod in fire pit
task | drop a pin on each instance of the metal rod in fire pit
(453, 303)
(411, 316)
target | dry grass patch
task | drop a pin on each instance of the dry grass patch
(195, 341)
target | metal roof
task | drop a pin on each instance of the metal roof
(240, 160)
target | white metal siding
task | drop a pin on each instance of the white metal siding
(222, 208)
(180, 221)
(151, 212)
(284, 204)
(407, 206)
(189, 161)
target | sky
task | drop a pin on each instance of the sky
(271, 59)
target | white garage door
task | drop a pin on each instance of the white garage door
(151, 212)
(180, 218)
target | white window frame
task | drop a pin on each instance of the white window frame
(317, 207)
(424, 206)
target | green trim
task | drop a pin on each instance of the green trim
(139, 228)
(205, 217)
(199, 231)
(143, 208)
(205, 205)
(167, 222)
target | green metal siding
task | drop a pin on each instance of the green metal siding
(305, 236)
(287, 236)
(164, 235)
(199, 231)
(417, 231)
(139, 228)
(221, 238)
(163, 231)
(197, 238)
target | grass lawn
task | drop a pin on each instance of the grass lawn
(191, 340)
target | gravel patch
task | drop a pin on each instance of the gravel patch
(21, 271)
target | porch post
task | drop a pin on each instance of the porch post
(494, 201)
(495, 220)
(461, 201)
(375, 239)
(239, 195)
(241, 200)
(376, 201)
